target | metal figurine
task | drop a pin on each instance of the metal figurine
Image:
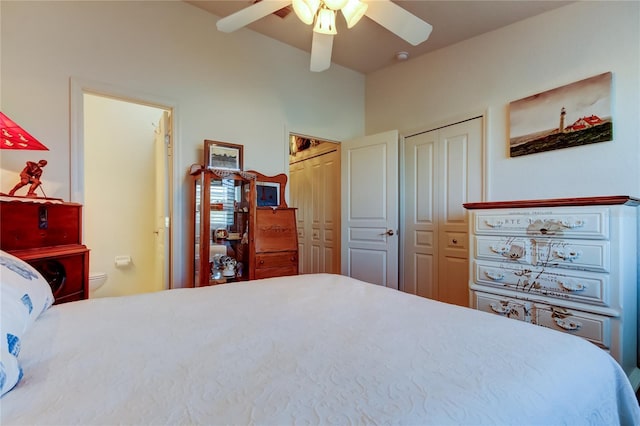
(30, 175)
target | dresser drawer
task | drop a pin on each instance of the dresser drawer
(503, 306)
(276, 264)
(30, 224)
(272, 260)
(579, 286)
(595, 328)
(573, 254)
(590, 223)
(282, 271)
(66, 269)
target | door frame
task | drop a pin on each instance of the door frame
(308, 156)
(78, 88)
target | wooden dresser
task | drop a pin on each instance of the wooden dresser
(276, 242)
(568, 264)
(47, 234)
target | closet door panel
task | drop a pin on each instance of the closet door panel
(297, 188)
(315, 192)
(420, 215)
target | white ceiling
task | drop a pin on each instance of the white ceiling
(368, 47)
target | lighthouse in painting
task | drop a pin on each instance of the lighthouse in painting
(563, 113)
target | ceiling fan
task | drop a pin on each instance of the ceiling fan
(322, 13)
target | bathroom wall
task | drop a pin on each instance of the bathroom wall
(119, 170)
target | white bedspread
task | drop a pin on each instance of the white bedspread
(313, 349)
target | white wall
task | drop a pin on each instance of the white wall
(241, 87)
(487, 72)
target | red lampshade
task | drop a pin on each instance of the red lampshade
(12, 136)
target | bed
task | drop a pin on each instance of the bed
(310, 349)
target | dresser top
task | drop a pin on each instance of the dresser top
(35, 200)
(557, 202)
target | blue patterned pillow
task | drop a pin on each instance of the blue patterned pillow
(24, 295)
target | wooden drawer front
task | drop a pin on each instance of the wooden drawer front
(65, 268)
(276, 264)
(580, 286)
(591, 224)
(595, 328)
(275, 230)
(573, 254)
(273, 260)
(503, 306)
(27, 225)
(276, 272)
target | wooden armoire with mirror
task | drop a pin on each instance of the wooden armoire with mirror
(223, 215)
(238, 236)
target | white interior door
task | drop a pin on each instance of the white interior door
(370, 208)
(161, 216)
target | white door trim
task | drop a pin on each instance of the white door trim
(78, 87)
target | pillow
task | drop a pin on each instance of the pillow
(24, 296)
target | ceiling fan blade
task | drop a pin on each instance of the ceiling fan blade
(250, 14)
(399, 21)
(321, 48)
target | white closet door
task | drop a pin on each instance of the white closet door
(298, 187)
(315, 192)
(420, 215)
(443, 170)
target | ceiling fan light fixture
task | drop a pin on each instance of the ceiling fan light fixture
(353, 11)
(335, 4)
(326, 22)
(306, 10)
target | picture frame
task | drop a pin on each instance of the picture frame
(270, 190)
(572, 115)
(267, 194)
(223, 155)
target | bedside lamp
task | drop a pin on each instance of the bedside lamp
(15, 137)
(12, 136)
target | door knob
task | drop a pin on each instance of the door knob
(389, 232)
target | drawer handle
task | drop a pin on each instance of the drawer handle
(262, 262)
(567, 323)
(572, 285)
(495, 224)
(510, 251)
(501, 309)
(494, 275)
(568, 254)
(501, 250)
(571, 224)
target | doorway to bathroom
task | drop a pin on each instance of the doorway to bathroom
(126, 179)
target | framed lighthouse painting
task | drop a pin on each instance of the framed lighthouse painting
(568, 116)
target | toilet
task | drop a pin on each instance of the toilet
(97, 280)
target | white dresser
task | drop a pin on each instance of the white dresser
(568, 264)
